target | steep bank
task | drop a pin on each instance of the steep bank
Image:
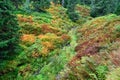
(97, 50)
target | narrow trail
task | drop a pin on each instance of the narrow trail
(69, 48)
(65, 54)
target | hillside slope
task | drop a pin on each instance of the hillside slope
(97, 52)
(55, 48)
(48, 40)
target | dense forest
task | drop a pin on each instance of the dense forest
(59, 39)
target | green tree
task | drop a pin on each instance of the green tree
(71, 10)
(17, 3)
(9, 30)
(27, 6)
(84, 2)
(117, 11)
(103, 7)
(62, 2)
(56, 1)
(41, 5)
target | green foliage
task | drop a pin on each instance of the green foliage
(49, 56)
(118, 28)
(117, 31)
(48, 67)
(86, 69)
(27, 6)
(56, 1)
(42, 17)
(101, 72)
(17, 3)
(30, 29)
(35, 48)
(41, 5)
(73, 16)
(84, 2)
(118, 9)
(71, 10)
(103, 7)
(64, 3)
(9, 30)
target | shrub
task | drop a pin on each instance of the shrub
(73, 16)
(117, 31)
(28, 39)
(114, 74)
(86, 69)
(101, 72)
(35, 49)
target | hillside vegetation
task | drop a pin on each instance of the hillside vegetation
(56, 41)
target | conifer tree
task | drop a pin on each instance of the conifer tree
(103, 7)
(9, 30)
(41, 5)
(16, 3)
(71, 10)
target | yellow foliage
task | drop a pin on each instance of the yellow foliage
(96, 33)
(83, 10)
(48, 37)
(48, 45)
(45, 28)
(65, 37)
(21, 18)
(99, 27)
(45, 51)
(28, 38)
(35, 55)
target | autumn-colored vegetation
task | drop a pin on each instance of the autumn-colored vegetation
(95, 34)
(97, 41)
(54, 47)
(83, 10)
